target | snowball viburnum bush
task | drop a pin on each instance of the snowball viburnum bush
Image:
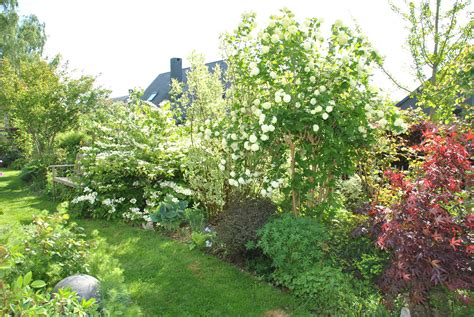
(300, 105)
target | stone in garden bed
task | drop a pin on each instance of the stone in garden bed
(84, 285)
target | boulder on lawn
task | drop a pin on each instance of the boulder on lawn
(84, 285)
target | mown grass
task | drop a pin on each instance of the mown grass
(164, 276)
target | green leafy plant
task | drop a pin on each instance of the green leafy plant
(202, 240)
(25, 297)
(170, 213)
(300, 254)
(294, 245)
(49, 247)
(195, 218)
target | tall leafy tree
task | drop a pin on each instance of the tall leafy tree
(44, 100)
(440, 43)
(20, 37)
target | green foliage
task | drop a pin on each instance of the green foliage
(9, 152)
(202, 240)
(70, 143)
(20, 37)
(52, 249)
(352, 192)
(49, 247)
(205, 109)
(43, 100)
(241, 220)
(170, 213)
(440, 43)
(351, 249)
(34, 172)
(163, 277)
(204, 176)
(22, 298)
(300, 253)
(294, 244)
(195, 218)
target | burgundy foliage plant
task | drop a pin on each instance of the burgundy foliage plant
(428, 231)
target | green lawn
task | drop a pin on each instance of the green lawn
(164, 276)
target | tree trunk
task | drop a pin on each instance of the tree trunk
(434, 71)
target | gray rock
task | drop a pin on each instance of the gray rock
(84, 285)
(405, 312)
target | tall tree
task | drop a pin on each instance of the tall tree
(44, 100)
(439, 40)
(20, 37)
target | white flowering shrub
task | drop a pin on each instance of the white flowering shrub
(300, 106)
(133, 162)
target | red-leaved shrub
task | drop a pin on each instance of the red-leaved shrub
(427, 230)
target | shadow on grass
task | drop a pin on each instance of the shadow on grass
(165, 276)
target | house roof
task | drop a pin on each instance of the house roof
(159, 89)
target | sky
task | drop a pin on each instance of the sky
(126, 44)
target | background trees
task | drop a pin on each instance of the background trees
(20, 37)
(44, 100)
(440, 43)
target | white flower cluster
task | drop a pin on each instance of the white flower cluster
(244, 179)
(377, 116)
(112, 203)
(134, 214)
(89, 196)
(177, 188)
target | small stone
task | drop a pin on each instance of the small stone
(148, 226)
(85, 286)
(405, 312)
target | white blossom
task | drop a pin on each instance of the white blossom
(382, 123)
(254, 147)
(328, 109)
(342, 38)
(287, 98)
(399, 122)
(275, 38)
(325, 116)
(292, 29)
(315, 127)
